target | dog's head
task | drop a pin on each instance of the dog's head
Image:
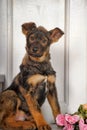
(39, 40)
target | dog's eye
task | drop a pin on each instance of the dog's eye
(32, 38)
(45, 41)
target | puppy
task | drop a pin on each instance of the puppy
(37, 78)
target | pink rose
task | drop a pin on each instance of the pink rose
(82, 125)
(67, 121)
(60, 120)
(72, 119)
(68, 127)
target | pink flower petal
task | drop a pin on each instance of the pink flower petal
(72, 119)
(68, 127)
(60, 120)
(82, 126)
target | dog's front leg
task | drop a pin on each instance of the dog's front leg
(35, 111)
(52, 96)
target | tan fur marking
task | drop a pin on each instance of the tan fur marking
(52, 102)
(51, 78)
(25, 59)
(33, 80)
(16, 80)
(40, 59)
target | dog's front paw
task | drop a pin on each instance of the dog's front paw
(30, 126)
(44, 127)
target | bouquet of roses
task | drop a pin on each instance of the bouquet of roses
(76, 121)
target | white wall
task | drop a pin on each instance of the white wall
(3, 37)
(78, 54)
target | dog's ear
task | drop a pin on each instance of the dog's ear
(55, 34)
(28, 27)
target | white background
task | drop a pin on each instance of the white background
(69, 55)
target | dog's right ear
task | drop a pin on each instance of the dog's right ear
(28, 27)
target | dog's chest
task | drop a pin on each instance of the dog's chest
(35, 68)
(43, 68)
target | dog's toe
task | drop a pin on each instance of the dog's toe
(44, 127)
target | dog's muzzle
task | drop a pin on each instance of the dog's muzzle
(35, 49)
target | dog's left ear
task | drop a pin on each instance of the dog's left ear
(55, 34)
(28, 27)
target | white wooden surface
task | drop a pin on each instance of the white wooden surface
(3, 37)
(77, 54)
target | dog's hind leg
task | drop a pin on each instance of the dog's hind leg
(11, 123)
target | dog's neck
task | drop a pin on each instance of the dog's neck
(44, 58)
(27, 59)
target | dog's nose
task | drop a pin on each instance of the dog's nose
(35, 49)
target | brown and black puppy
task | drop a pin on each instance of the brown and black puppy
(37, 77)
